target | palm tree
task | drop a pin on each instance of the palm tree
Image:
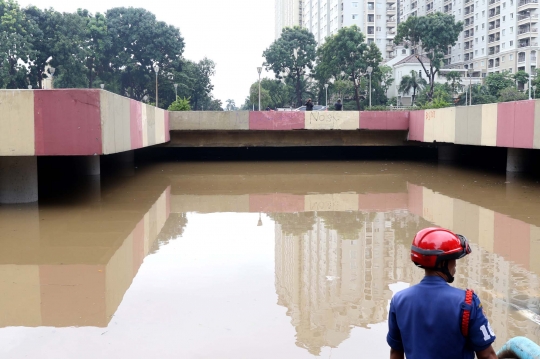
(412, 82)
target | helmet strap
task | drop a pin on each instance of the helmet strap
(444, 270)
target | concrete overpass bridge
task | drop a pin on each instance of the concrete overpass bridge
(92, 123)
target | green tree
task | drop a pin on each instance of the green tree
(290, 56)
(44, 40)
(386, 77)
(480, 95)
(347, 53)
(521, 77)
(231, 106)
(16, 32)
(496, 82)
(181, 104)
(138, 42)
(254, 96)
(441, 92)
(412, 82)
(511, 94)
(453, 79)
(431, 36)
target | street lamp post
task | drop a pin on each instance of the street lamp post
(175, 92)
(52, 70)
(470, 71)
(259, 70)
(530, 75)
(326, 87)
(156, 69)
(369, 70)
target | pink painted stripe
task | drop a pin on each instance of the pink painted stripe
(373, 120)
(416, 199)
(382, 201)
(505, 124)
(276, 120)
(416, 125)
(397, 120)
(136, 124)
(67, 122)
(524, 124)
(276, 203)
(512, 239)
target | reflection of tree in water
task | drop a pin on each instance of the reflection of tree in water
(294, 223)
(346, 224)
(173, 228)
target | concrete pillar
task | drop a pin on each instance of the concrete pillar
(448, 152)
(516, 160)
(90, 165)
(18, 180)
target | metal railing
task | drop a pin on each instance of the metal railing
(525, 2)
(527, 17)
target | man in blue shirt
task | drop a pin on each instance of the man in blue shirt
(432, 319)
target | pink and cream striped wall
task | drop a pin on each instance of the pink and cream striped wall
(76, 122)
(506, 124)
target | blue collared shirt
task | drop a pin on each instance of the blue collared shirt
(425, 322)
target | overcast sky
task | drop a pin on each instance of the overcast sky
(233, 33)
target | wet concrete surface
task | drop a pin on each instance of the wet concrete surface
(254, 259)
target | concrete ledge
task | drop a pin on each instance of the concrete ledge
(297, 138)
(209, 120)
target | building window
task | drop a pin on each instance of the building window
(378, 28)
(483, 13)
(503, 45)
(510, 70)
(354, 4)
(482, 51)
(378, 17)
(483, 25)
(482, 38)
(512, 43)
(403, 52)
(511, 56)
(476, 52)
(502, 58)
(504, 5)
(482, 63)
(354, 16)
(511, 15)
(511, 29)
(504, 18)
(504, 32)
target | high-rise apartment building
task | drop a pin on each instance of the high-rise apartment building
(499, 35)
(376, 18)
(288, 14)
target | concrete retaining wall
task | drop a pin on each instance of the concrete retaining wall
(507, 124)
(17, 123)
(76, 122)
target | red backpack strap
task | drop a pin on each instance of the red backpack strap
(466, 313)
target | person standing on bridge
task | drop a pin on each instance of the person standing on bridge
(309, 105)
(338, 106)
(432, 319)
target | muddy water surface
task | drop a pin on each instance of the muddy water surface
(255, 260)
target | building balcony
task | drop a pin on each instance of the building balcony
(493, 40)
(527, 43)
(389, 47)
(527, 31)
(525, 19)
(527, 4)
(521, 59)
(469, 24)
(493, 14)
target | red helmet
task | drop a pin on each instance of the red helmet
(434, 245)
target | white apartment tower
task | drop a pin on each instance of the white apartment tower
(376, 18)
(499, 35)
(288, 14)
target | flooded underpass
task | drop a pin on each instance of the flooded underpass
(276, 259)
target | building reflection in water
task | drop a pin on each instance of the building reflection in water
(334, 268)
(66, 268)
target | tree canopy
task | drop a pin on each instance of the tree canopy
(430, 36)
(118, 49)
(291, 56)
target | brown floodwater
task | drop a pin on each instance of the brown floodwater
(255, 259)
